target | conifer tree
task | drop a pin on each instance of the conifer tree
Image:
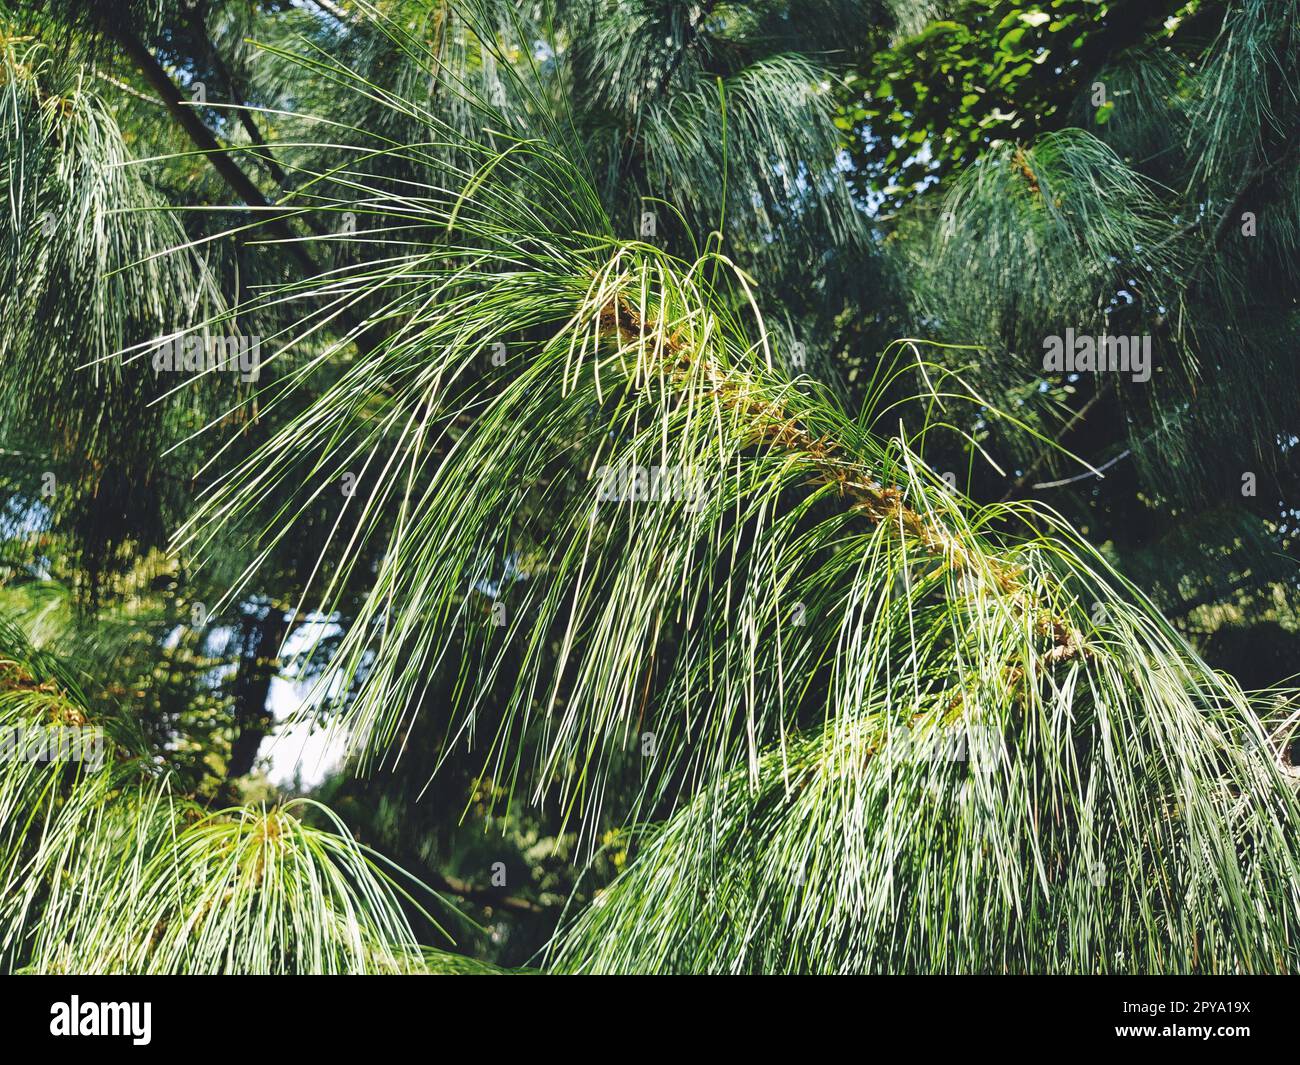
(586, 456)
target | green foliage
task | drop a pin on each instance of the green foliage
(107, 868)
(629, 557)
(995, 72)
(914, 619)
(76, 216)
(1030, 237)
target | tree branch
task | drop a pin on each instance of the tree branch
(1250, 181)
(202, 137)
(1079, 417)
(692, 32)
(484, 896)
(237, 98)
(277, 221)
(1221, 228)
(334, 11)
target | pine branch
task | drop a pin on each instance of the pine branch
(880, 505)
(1222, 226)
(1253, 177)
